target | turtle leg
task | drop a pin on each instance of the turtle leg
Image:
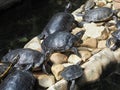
(28, 67)
(73, 49)
(72, 87)
(46, 69)
(108, 43)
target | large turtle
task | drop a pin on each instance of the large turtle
(59, 22)
(29, 59)
(61, 41)
(71, 73)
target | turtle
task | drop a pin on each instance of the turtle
(59, 22)
(115, 39)
(71, 73)
(97, 15)
(18, 80)
(61, 41)
(29, 59)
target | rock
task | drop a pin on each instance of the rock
(117, 1)
(116, 4)
(34, 44)
(90, 42)
(74, 59)
(118, 14)
(58, 58)
(45, 80)
(60, 85)
(109, 5)
(101, 3)
(102, 44)
(67, 64)
(56, 70)
(109, 1)
(85, 55)
(93, 31)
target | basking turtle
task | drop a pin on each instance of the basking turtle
(71, 73)
(97, 15)
(61, 41)
(18, 80)
(115, 39)
(29, 59)
(59, 22)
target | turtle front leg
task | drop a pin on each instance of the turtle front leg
(75, 50)
(72, 86)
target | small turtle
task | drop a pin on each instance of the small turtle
(115, 39)
(18, 80)
(71, 73)
(97, 15)
(59, 22)
(28, 59)
(61, 41)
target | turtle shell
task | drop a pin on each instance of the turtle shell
(72, 72)
(98, 14)
(116, 34)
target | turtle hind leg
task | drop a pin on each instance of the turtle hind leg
(72, 86)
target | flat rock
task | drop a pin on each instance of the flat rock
(58, 58)
(45, 80)
(56, 70)
(102, 44)
(93, 31)
(34, 44)
(74, 59)
(90, 42)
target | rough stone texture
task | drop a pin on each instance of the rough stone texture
(95, 51)
(85, 55)
(116, 5)
(102, 44)
(101, 3)
(60, 85)
(93, 31)
(45, 80)
(74, 59)
(76, 30)
(34, 44)
(58, 58)
(56, 70)
(90, 42)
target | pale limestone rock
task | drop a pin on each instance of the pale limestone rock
(101, 3)
(56, 70)
(118, 14)
(93, 31)
(34, 44)
(67, 64)
(116, 5)
(102, 44)
(90, 42)
(85, 55)
(45, 80)
(109, 1)
(109, 5)
(74, 59)
(58, 58)
(60, 85)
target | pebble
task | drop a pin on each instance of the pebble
(56, 70)
(76, 30)
(45, 80)
(58, 58)
(95, 51)
(102, 44)
(85, 55)
(116, 5)
(100, 3)
(74, 59)
(90, 42)
(60, 85)
(34, 44)
(67, 64)
(93, 31)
